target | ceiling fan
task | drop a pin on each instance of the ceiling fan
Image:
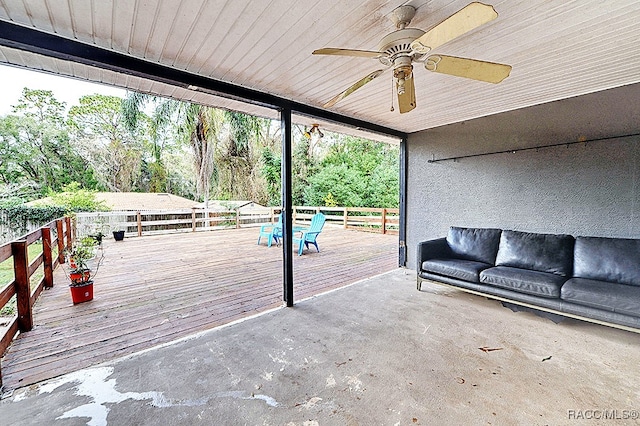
(405, 46)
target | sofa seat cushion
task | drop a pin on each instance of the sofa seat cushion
(477, 244)
(537, 283)
(539, 252)
(466, 270)
(621, 298)
(608, 259)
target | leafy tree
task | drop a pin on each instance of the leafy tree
(73, 199)
(356, 172)
(111, 149)
(342, 185)
(304, 166)
(238, 157)
(191, 125)
(36, 147)
(161, 140)
(187, 149)
(271, 169)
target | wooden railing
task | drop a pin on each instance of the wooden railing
(382, 220)
(139, 223)
(54, 237)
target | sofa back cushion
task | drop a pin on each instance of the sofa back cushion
(608, 259)
(478, 244)
(538, 252)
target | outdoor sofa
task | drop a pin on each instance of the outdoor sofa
(590, 278)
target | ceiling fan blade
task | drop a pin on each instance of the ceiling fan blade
(490, 72)
(353, 88)
(407, 100)
(466, 19)
(348, 52)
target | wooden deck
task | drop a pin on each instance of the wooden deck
(152, 290)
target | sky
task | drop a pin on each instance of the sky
(13, 80)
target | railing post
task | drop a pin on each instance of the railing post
(139, 220)
(193, 219)
(47, 256)
(60, 231)
(238, 218)
(384, 221)
(23, 290)
(345, 217)
(67, 221)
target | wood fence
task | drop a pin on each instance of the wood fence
(150, 222)
(55, 237)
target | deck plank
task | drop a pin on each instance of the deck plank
(156, 289)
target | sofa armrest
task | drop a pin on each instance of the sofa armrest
(432, 249)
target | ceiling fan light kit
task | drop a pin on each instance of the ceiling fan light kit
(401, 48)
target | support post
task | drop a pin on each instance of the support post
(23, 290)
(384, 221)
(67, 221)
(139, 222)
(345, 217)
(287, 219)
(402, 227)
(60, 231)
(193, 220)
(47, 257)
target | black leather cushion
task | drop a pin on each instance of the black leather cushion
(478, 244)
(621, 298)
(542, 284)
(466, 270)
(539, 252)
(608, 259)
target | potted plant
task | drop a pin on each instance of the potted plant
(118, 235)
(97, 237)
(80, 274)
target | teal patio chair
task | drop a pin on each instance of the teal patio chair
(271, 231)
(309, 235)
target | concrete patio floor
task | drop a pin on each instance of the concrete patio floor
(376, 352)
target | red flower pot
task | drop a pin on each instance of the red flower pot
(80, 277)
(81, 293)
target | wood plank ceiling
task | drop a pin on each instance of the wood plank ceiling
(558, 49)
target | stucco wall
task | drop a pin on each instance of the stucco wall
(581, 189)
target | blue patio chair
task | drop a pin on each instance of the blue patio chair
(271, 231)
(277, 231)
(310, 235)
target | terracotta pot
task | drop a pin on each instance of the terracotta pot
(82, 293)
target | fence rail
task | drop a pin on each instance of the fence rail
(54, 237)
(150, 222)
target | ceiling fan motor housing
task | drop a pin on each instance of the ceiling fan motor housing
(397, 44)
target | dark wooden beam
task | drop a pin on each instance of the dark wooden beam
(287, 206)
(402, 227)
